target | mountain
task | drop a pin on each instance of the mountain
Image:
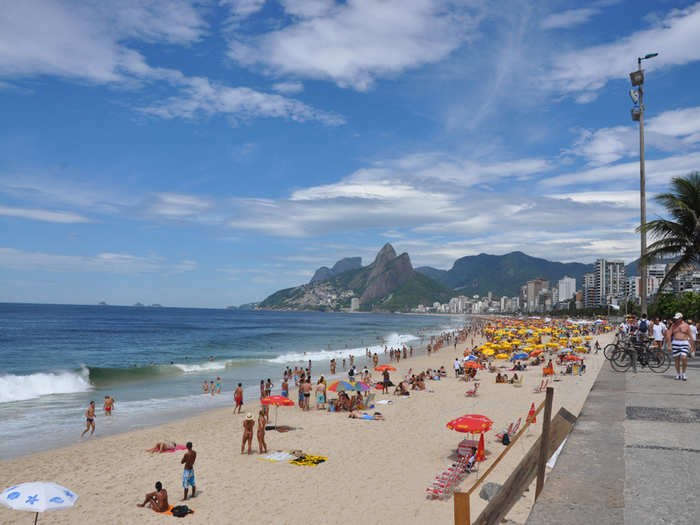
(388, 284)
(343, 265)
(502, 274)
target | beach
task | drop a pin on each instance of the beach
(376, 471)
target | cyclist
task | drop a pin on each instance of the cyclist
(682, 344)
(643, 328)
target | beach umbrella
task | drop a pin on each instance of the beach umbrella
(38, 496)
(521, 355)
(481, 449)
(471, 424)
(473, 364)
(381, 368)
(502, 356)
(361, 386)
(572, 358)
(277, 401)
(535, 353)
(472, 358)
(341, 386)
(488, 351)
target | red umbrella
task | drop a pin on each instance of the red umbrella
(480, 450)
(471, 424)
(277, 401)
(531, 417)
(381, 368)
(572, 358)
(473, 364)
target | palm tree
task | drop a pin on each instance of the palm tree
(679, 237)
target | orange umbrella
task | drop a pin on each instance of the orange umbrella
(572, 358)
(471, 424)
(473, 364)
(535, 353)
(381, 368)
(531, 417)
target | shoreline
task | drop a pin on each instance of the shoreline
(395, 460)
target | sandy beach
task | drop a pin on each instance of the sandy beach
(377, 471)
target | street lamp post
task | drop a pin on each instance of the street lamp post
(637, 79)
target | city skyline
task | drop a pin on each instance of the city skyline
(210, 153)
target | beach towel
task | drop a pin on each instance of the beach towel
(308, 460)
(278, 456)
(169, 512)
(384, 402)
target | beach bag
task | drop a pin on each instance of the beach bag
(506, 439)
(180, 511)
(643, 326)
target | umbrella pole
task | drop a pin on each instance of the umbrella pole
(36, 517)
(276, 410)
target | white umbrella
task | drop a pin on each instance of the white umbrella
(38, 496)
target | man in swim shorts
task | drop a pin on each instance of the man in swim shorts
(681, 341)
(89, 419)
(238, 398)
(188, 474)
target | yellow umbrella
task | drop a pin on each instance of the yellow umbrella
(581, 349)
(588, 338)
(502, 356)
(488, 351)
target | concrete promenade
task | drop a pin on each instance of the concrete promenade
(633, 456)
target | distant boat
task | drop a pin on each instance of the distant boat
(138, 304)
(102, 303)
(156, 305)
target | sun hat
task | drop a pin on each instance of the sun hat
(249, 415)
(678, 316)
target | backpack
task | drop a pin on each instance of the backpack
(506, 439)
(181, 511)
(643, 326)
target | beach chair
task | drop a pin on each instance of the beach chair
(368, 402)
(519, 382)
(499, 435)
(473, 391)
(515, 428)
(542, 387)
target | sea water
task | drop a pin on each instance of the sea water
(55, 359)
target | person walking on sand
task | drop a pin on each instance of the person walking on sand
(248, 424)
(238, 398)
(262, 421)
(188, 473)
(109, 402)
(89, 419)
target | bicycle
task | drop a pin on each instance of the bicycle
(640, 352)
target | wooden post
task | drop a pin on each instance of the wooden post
(461, 508)
(542, 461)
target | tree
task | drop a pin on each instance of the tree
(678, 236)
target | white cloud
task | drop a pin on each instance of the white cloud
(570, 18)
(354, 42)
(628, 199)
(288, 88)
(112, 263)
(202, 98)
(176, 205)
(65, 217)
(583, 72)
(90, 41)
(243, 8)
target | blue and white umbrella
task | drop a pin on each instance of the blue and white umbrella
(471, 357)
(38, 496)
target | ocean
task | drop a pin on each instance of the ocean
(56, 358)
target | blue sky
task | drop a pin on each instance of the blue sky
(208, 153)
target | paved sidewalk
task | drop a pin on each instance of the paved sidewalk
(633, 456)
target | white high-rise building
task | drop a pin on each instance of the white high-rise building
(567, 288)
(610, 280)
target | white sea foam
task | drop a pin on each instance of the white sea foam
(202, 367)
(21, 387)
(391, 341)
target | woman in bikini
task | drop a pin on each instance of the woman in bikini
(248, 424)
(262, 421)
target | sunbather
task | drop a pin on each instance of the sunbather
(162, 446)
(356, 414)
(157, 500)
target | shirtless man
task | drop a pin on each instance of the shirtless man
(285, 388)
(89, 419)
(680, 339)
(188, 474)
(306, 390)
(109, 402)
(205, 387)
(262, 421)
(248, 424)
(238, 398)
(158, 500)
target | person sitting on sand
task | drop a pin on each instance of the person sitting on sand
(499, 378)
(442, 372)
(401, 389)
(248, 424)
(163, 446)
(356, 414)
(514, 379)
(157, 500)
(492, 367)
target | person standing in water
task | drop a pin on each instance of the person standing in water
(108, 404)
(238, 398)
(89, 419)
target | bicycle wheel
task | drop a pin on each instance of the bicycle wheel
(659, 361)
(609, 350)
(621, 360)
